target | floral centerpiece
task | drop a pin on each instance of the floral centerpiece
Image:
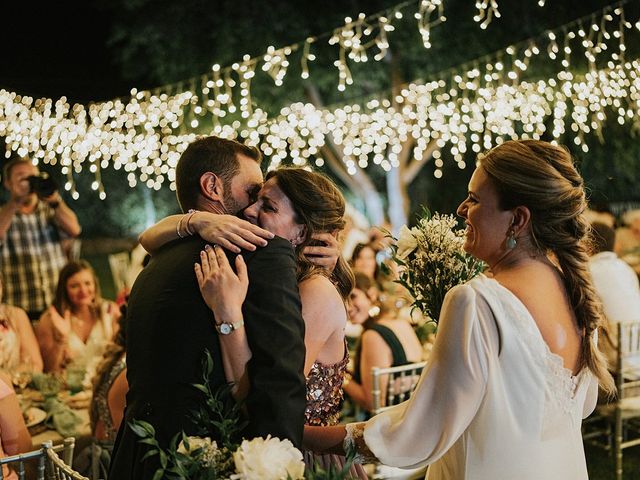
(201, 458)
(432, 261)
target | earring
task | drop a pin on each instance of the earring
(511, 240)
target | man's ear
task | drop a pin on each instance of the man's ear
(521, 219)
(212, 187)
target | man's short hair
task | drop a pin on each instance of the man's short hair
(8, 168)
(603, 237)
(208, 154)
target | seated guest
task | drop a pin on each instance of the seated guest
(110, 388)
(363, 260)
(388, 340)
(615, 283)
(18, 345)
(79, 324)
(14, 436)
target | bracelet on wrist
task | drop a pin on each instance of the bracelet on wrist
(179, 227)
(192, 212)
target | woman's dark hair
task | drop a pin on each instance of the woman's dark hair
(62, 301)
(319, 206)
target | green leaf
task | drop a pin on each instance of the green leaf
(149, 454)
(158, 475)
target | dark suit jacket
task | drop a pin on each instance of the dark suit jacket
(170, 326)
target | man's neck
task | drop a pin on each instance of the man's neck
(27, 204)
(213, 207)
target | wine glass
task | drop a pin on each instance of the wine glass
(22, 375)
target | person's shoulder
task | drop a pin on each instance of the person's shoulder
(275, 247)
(470, 290)
(319, 284)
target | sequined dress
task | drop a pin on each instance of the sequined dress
(324, 402)
(101, 399)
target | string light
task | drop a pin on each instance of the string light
(487, 9)
(468, 108)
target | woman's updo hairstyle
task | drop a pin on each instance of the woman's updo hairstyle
(542, 177)
(319, 206)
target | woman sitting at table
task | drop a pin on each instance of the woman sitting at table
(18, 345)
(387, 341)
(79, 324)
(14, 436)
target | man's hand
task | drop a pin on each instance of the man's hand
(326, 255)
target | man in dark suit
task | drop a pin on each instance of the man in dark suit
(170, 326)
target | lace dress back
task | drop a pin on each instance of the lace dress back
(493, 402)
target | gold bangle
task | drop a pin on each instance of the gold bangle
(178, 227)
(192, 212)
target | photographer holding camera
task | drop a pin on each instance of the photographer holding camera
(32, 225)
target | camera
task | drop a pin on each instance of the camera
(42, 185)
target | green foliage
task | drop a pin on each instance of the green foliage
(333, 473)
(432, 261)
(217, 411)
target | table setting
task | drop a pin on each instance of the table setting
(55, 406)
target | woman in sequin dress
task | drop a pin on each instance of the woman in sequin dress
(303, 207)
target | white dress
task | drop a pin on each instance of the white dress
(493, 403)
(87, 355)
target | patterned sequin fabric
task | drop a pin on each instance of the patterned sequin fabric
(324, 392)
(101, 399)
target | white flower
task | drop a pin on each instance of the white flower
(208, 449)
(407, 242)
(268, 459)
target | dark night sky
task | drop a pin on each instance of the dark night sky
(57, 48)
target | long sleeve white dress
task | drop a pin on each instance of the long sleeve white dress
(494, 402)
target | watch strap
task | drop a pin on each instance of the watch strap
(225, 328)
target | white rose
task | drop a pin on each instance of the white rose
(268, 459)
(407, 242)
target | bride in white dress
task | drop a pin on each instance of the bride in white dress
(515, 367)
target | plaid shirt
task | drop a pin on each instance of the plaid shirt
(31, 260)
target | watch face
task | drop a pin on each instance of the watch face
(225, 328)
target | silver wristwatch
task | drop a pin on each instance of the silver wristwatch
(226, 328)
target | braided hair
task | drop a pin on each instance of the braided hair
(542, 177)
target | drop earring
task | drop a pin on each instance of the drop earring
(511, 240)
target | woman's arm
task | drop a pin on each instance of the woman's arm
(374, 353)
(224, 292)
(15, 436)
(29, 350)
(52, 333)
(116, 398)
(228, 231)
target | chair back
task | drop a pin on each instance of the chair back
(393, 385)
(628, 360)
(119, 265)
(57, 468)
(17, 462)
